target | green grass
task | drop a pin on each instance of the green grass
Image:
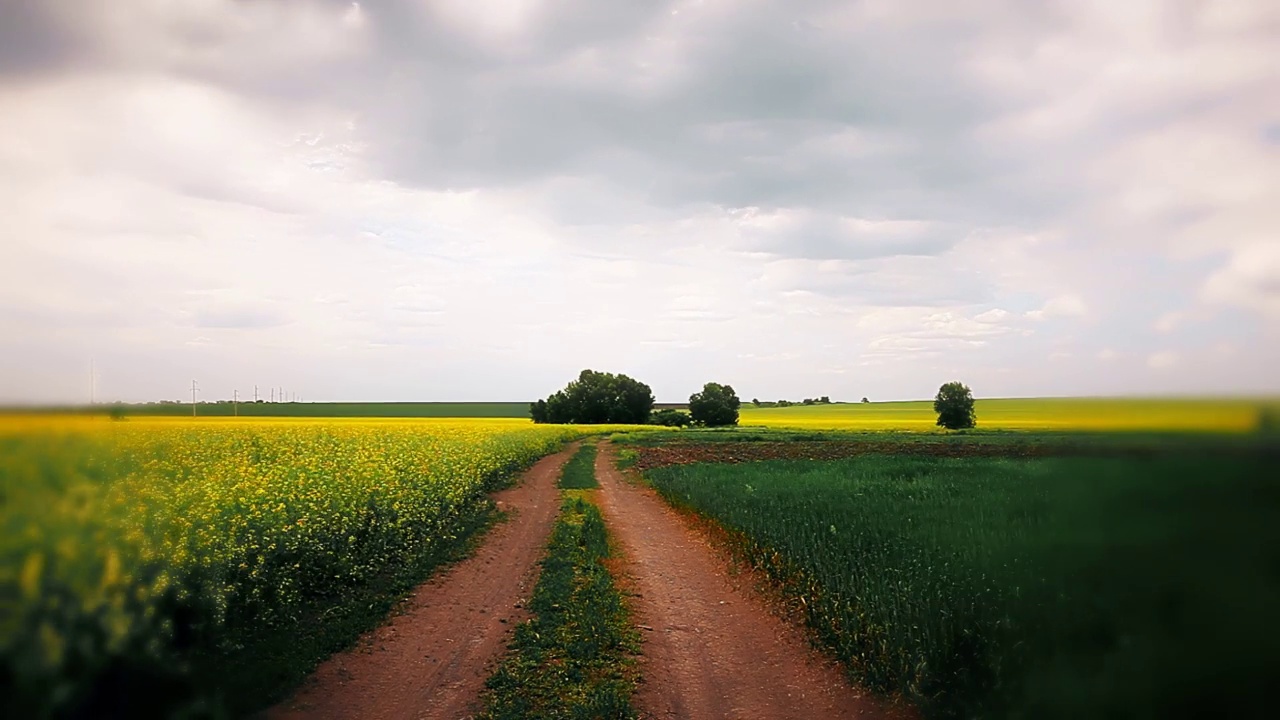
(576, 657)
(1061, 588)
(250, 409)
(580, 472)
(1227, 415)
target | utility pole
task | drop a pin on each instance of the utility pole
(255, 393)
(93, 383)
(235, 403)
(273, 394)
(194, 388)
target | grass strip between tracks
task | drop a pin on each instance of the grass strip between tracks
(580, 472)
(576, 658)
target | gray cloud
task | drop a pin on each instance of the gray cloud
(33, 40)
(865, 181)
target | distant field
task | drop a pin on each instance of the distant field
(1025, 414)
(249, 409)
(1232, 415)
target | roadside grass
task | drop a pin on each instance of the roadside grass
(1139, 587)
(579, 473)
(626, 458)
(576, 658)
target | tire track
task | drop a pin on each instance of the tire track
(711, 650)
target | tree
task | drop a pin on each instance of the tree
(716, 405)
(954, 405)
(865, 400)
(671, 417)
(596, 398)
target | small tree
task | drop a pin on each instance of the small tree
(670, 417)
(954, 405)
(865, 400)
(717, 405)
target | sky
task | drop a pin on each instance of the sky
(476, 199)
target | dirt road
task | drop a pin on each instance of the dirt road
(711, 649)
(431, 661)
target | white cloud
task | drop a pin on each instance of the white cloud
(1060, 306)
(1250, 279)
(1168, 322)
(1162, 360)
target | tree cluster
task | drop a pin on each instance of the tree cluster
(597, 398)
(824, 400)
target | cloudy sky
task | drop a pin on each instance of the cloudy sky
(475, 199)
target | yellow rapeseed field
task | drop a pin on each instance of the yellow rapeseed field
(118, 536)
(1088, 414)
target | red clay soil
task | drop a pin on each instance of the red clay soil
(432, 659)
(711, 649)
(740, 452)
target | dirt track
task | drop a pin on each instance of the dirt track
(711, 649)
(431, 660)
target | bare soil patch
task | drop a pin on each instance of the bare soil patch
(711, 649)
(735, 452)
(431, 660)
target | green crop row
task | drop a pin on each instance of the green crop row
(1059, 588)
